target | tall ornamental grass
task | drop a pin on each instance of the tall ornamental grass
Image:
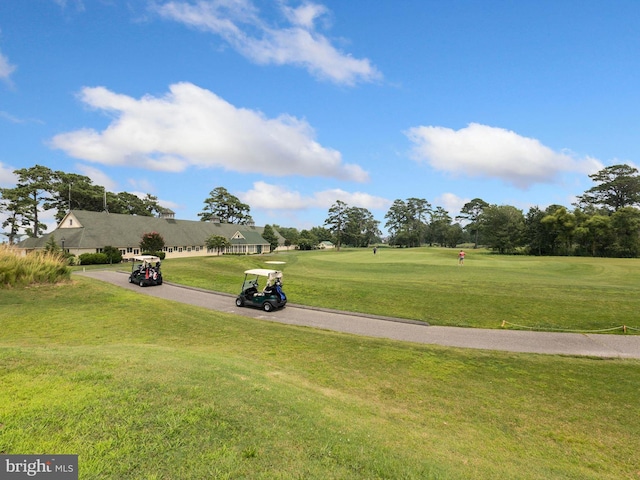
(36, 268)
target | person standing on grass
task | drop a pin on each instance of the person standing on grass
(461, 257)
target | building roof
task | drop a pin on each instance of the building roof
(87, 230)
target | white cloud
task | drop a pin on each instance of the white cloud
(298, 43)
(98, 177)
(191, 126)
(305, 15)
(451, 203)
(18, 121)
(327, 198)
(484, 151)
(78, 4)
(10, 118)
(142, 184)
(6, 69)
(274, 197)
(8, 179)
(168, 204)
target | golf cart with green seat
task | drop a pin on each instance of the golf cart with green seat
(268, 297)
(145, 271)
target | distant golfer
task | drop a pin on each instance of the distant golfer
(461, 257)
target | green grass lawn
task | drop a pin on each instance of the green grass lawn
(142, 388)
(545, 293)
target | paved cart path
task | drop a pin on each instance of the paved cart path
(596, 345)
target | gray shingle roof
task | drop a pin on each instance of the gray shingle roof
(99, 229)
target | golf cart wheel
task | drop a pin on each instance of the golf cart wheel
(130, 279)
(141, 283)
(267, 307)
(239, 302)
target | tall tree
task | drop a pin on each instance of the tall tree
(70, 191)
(290, 234)
(129, 204)
(471, 212)
(227, 208)
(418, 211)
(15, 207)
(440, 224)
(337, 221)
(595, 234)
(407, 221)
(397, 218)
(307, 240)
(534, 231)
(503, 228)
(562, 224)
(270, 236)
(454, 235)
(34, 185)
(322, 234)
(618, 187)
(626, 227)
(361, 228)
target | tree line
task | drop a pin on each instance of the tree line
(40, 189)
(604, 221)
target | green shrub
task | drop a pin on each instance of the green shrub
(113, 254)
(93, 259)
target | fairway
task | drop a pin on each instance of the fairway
(142, 388)
(489, 291)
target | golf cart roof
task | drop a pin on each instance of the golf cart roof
(263, 272)
(146, 258)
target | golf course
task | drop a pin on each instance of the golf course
(146, 388)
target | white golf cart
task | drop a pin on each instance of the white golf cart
(269, 297)
(145, 271)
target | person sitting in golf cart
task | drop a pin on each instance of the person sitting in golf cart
(252, 289)
(274, 287)
(145, 273)
(270, 298)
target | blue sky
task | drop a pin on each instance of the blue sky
(293, 105)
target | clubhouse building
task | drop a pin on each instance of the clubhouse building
(89, 232)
